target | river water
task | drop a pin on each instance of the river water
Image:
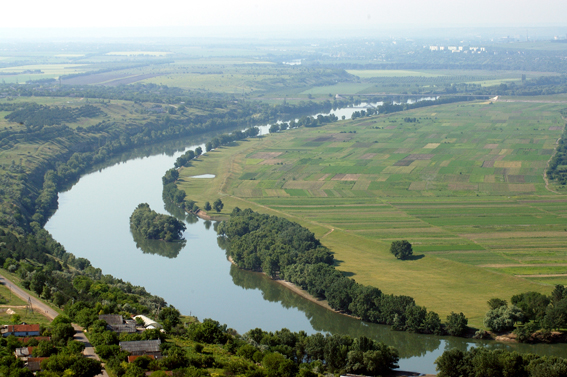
(93, 222)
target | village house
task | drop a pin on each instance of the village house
(142, 347)
(23, 352)
(34, 363)
(116, 323)
(20, 330)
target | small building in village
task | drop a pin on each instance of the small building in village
(34, 363)
(20, 330)
(142, 347)
(116, 323)
(149, 323)
(23, 352)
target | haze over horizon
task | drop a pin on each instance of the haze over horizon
(293, 18)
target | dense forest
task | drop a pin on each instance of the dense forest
(286, 250)
(498, 363)
(155, 226)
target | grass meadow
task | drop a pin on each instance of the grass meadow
(463, 183)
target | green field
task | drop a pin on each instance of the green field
(464, 184)
(392, 73)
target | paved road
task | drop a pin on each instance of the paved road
(36, 304)
(50, 313)
(89, 349)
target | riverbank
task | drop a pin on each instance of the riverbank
(301, 292)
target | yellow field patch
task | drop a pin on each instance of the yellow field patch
(329, 185)
(345, 177)
(253, 161)
(463, 186)
(505, 151)
(361, 185)
(368, 156)
(272, 161)
(318, 193)
(432, 145)
(490, 178)
(491, 146)
(445, 163)
(507, 164)
(521, 187)
(398, 169)
(324, 177)
(266, 155)
(418, 186)
(304, 185)
(276, 193)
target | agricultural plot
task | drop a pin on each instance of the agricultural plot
(463, 183)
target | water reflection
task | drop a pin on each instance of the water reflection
(179, 213)
(165, 249)
(324, 320)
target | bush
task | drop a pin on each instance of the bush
(503, 318)
(456, 324)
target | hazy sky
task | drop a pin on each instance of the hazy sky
(270, 15)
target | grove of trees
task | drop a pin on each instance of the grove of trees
(155, 226)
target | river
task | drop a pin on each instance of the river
(93, 222)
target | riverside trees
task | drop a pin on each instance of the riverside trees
(156, 226)
(284, 249)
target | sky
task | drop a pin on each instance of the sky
(225, 15)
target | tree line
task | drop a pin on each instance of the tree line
(557, 169)
(38, 116)
(284, 249)
(498, 363)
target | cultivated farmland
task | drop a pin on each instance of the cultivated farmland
(463, 183)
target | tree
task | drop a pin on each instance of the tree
(62, 332)
(401, 249)
(495, 303)
(503, 318)
(456, 324)
(274, 128)
(218, 205)
(198, 151)
(208, 146)
(170, 317)
(207, 206)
